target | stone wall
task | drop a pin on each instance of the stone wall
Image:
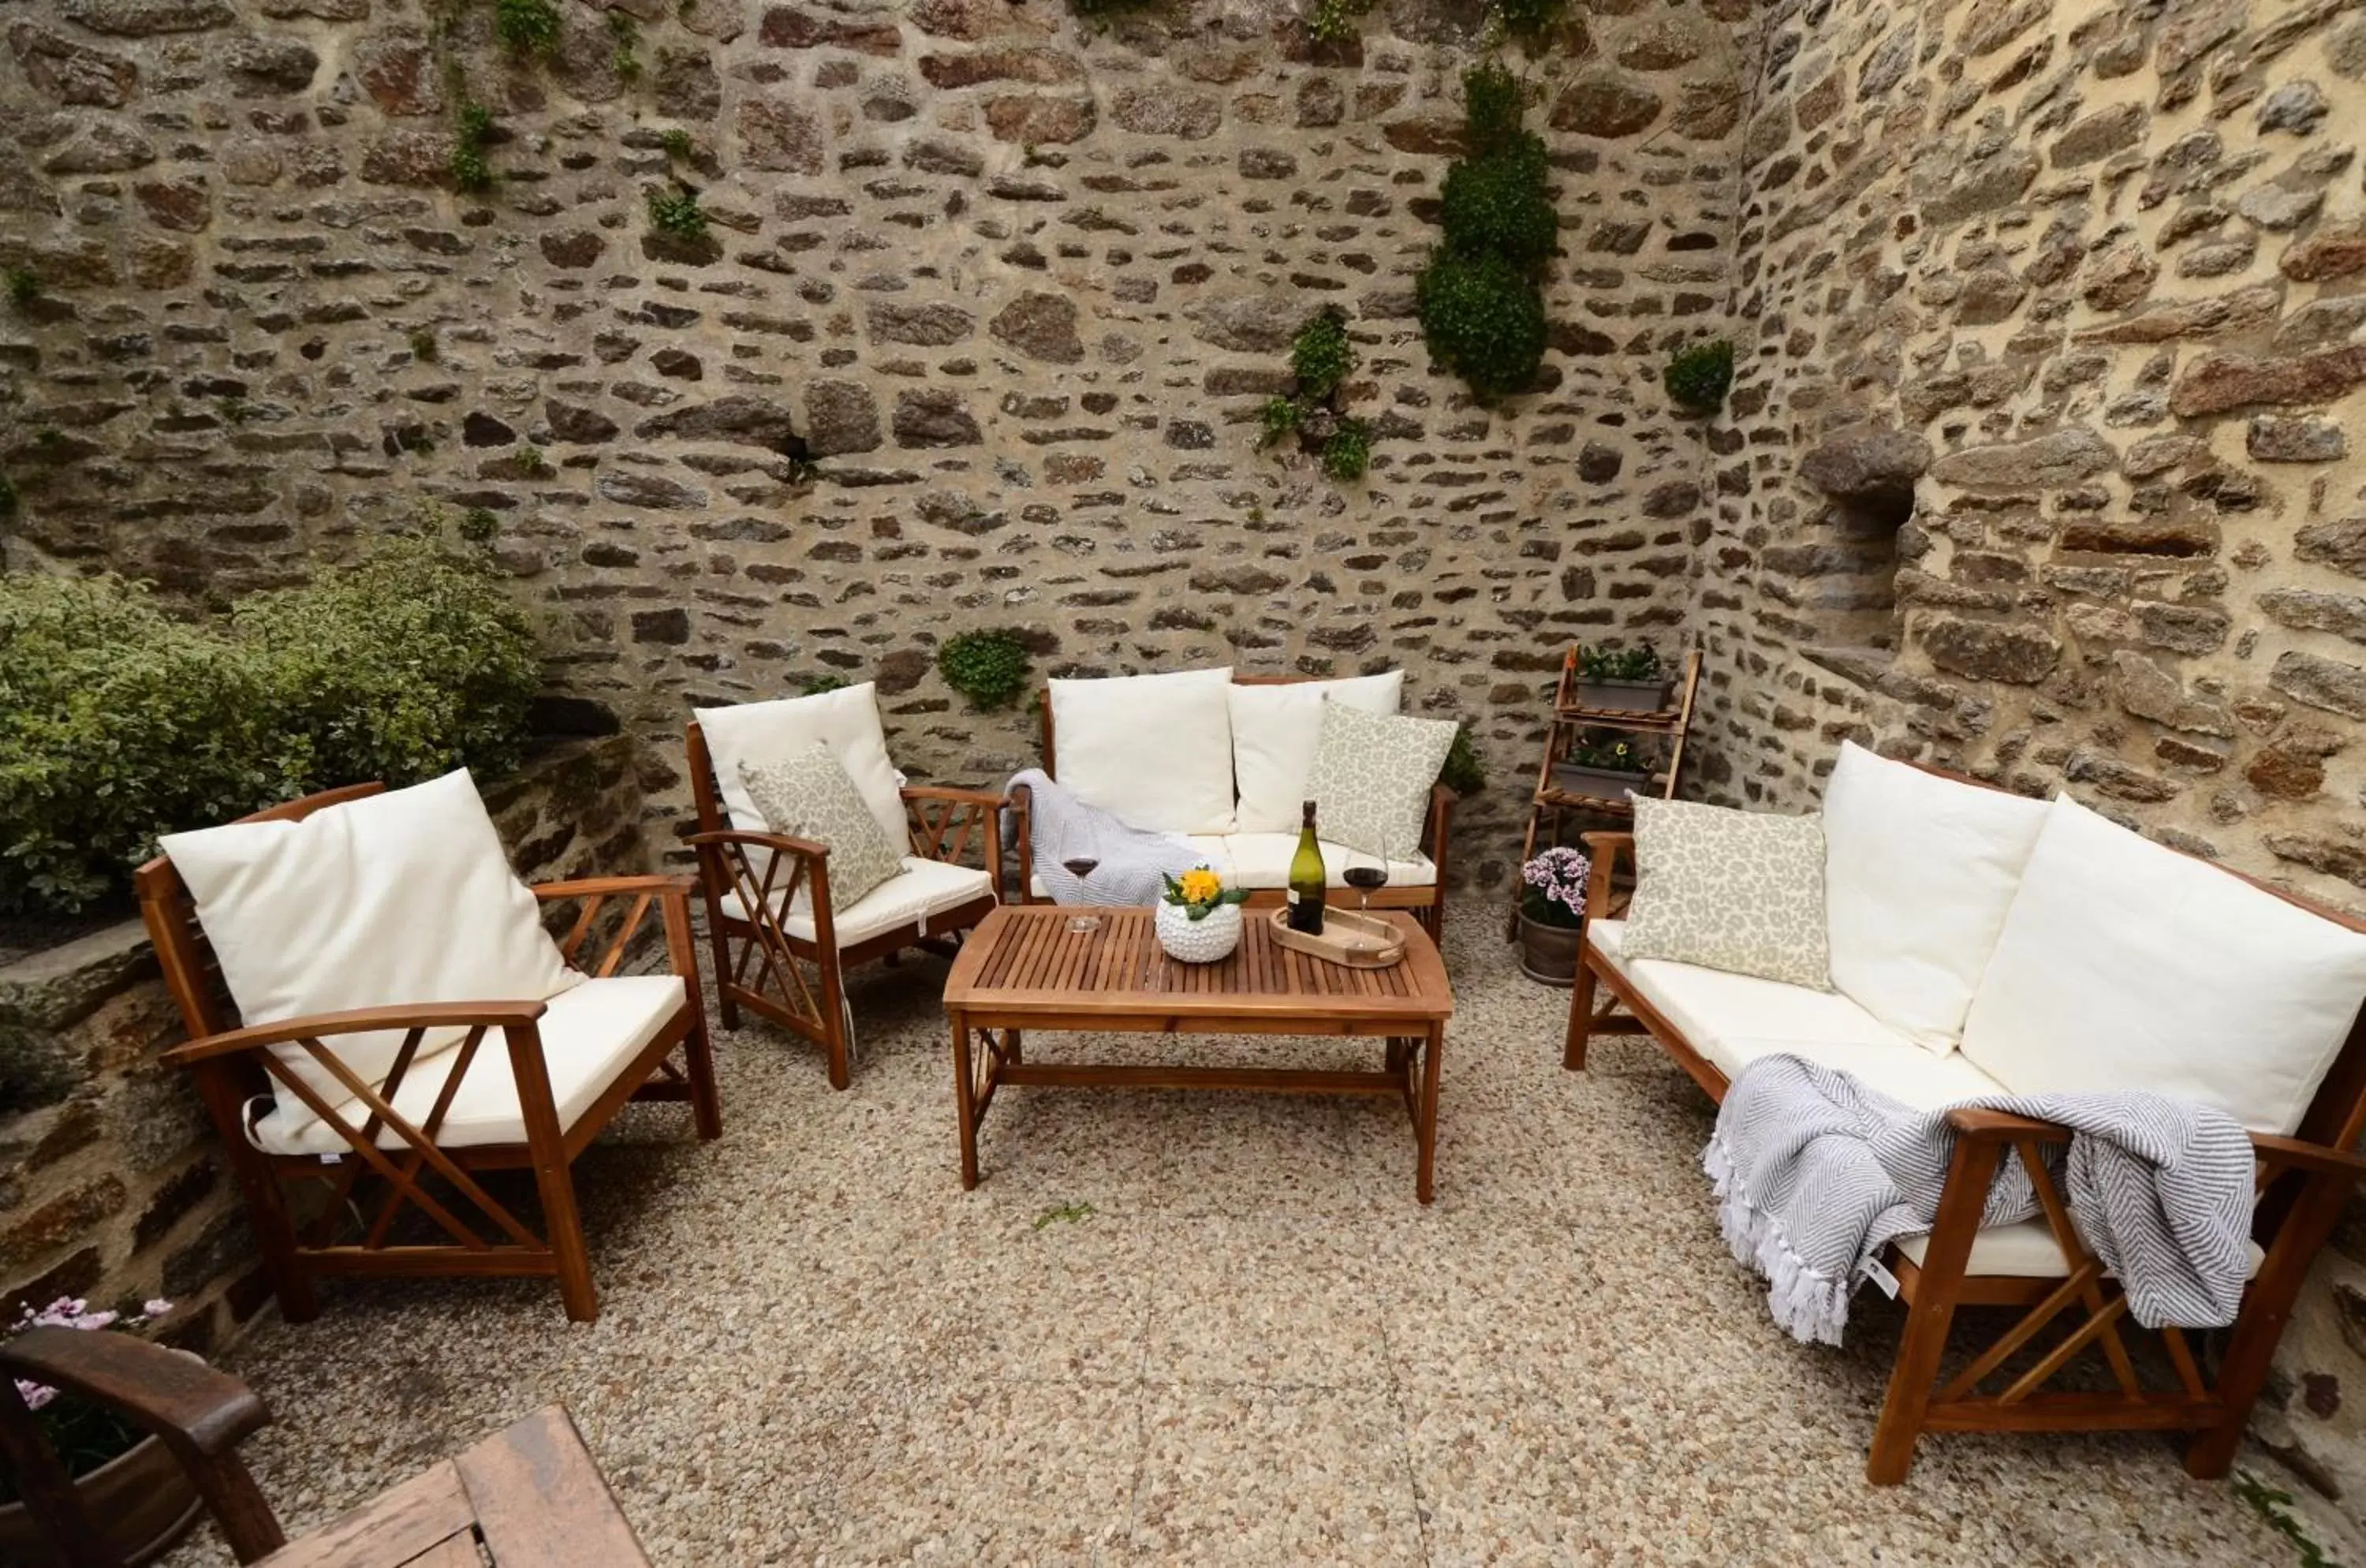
(2041, 462)
(112, 1181)
(1020, 283)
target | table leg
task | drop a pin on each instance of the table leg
(966, 1101)
(1396, 1058)
(1425, 1129)
(1010, 1046)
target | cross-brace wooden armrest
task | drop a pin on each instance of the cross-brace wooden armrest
(2002, 1127)
(959, 819)
(200, 1414)
(602, 886)
(979, 797)
(779, 843)
(358, 1020)
(2316, 1159)
(672, 893)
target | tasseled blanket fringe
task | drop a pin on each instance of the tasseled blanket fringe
(1807, 1304)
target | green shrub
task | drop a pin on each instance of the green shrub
(988, 668)
(827, 680)
(1337, 21)
(1484, 320)
(24, 285)
(1465, 772)
(1320, 355)
(119, 722)
(1279, 418)
(1492, 104)
(1498, 203)
(675, 212)
(1699, 375)
(1530, 19)
(526, 27)
(1348, 452)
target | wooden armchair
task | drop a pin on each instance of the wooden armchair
(782, 945)
(528, 1495)
(449, 1105)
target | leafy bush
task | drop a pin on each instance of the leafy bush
(1320, 355)
(1348, 452)
(1492, 104)
(526, 27)
(1699, 375)
(988, 668)
(1484, 319)
(1498, 203)
(676, 212)
(1465, 772)
(119, 722)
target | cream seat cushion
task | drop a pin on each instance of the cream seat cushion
(402, 897)
(2123, 964)
(1155, 751)
(1919, 872)
(922, 889)
(1275, 730)
(589, 1035)
(765, 734)
(2026, 1250)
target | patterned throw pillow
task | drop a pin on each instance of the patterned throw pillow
(1371, 777)
(1741, 891)
(810, 796)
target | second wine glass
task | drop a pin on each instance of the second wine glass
(1081, 867)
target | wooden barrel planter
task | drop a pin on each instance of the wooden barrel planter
(140, 1503)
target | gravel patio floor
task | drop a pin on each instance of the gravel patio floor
(1253, 1347)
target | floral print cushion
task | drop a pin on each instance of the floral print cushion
(1371, 777)
(1741, 891)
(810, 796)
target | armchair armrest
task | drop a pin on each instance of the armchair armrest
(978, 797)
(502, 1015)
(1021, 804)
(960, 815)
(1435, 828)
(194, 1408)
(602, 886)
(2314, 1158)
(779, 843)
(2002, 1127)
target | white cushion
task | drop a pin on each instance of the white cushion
(1155, 751)
(2026, 1250)
(398, 898)
(1262, 860)
(924, 888)
(1275, 730)
(1732, 1020)
(590, 1034)
(2125, 964)
(1919, 872)
(769, 734)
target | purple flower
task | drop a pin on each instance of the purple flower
(1559, 875)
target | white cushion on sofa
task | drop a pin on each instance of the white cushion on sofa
(1919, 872)
(1154, 750)
(769, 734)
(1262, 860)
(1275, 730)
(2026, 1250)
(923, 888)
(2125, 964)
(590, 1034)
(1732, 1020)
(403, 897)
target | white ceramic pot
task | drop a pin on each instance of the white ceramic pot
(1210, 937)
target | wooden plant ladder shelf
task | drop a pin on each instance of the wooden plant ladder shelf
(1548, 803)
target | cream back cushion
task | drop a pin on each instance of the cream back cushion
(2125, 964)
(1919, 872)
(1741, 891)
(1154, 750)
(760, 735)
(1275, 731)
(404, 896)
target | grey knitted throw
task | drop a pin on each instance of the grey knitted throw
(1816, 1174)
(1061, 827)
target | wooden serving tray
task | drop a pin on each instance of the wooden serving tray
(1349, 937)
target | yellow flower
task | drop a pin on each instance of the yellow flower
(1201, 886)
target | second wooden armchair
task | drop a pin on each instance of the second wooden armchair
(780, 945)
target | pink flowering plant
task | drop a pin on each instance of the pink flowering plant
(1555, 894)
(85, 1436)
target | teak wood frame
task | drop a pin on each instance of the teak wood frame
(1426, 905)
(230, 1063)
(530, 1495)
(2303, 1184)
(758, 961)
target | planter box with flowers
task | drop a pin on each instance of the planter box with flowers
(1622, 680)
(1552, 915)
(131, 1485)
(1602, 772)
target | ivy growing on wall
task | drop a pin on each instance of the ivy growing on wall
(1321, 359)
(1480, 296)
(471, 170)
(988, 668)
(1699, 375)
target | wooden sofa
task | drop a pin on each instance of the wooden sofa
(1711, 1023)
(1258, 858)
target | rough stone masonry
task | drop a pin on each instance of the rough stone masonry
(2040, 460)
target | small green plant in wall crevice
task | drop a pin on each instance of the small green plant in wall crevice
(1322, 358)
(675, 213)
(624, 33)
(1699, 375)
(472, 172)
(989, 667)
(526, 28)
(24, 285)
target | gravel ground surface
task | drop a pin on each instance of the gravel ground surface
(1191, 1328)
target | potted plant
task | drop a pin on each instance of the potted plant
(132, 1489)
(1198, 917)
(1552, 915)
(1622, 680)
(1602, 771)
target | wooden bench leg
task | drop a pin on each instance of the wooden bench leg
(1933, 1311)
(2267, 1305)
(833, 1022)
(1580, 1018)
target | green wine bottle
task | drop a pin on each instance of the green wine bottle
(1306, 880)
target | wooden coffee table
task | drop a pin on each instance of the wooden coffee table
(1022, 969)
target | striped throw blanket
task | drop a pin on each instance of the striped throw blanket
(1135, 862)
(1816, 1174)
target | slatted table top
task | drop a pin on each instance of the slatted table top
(1022, 956)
